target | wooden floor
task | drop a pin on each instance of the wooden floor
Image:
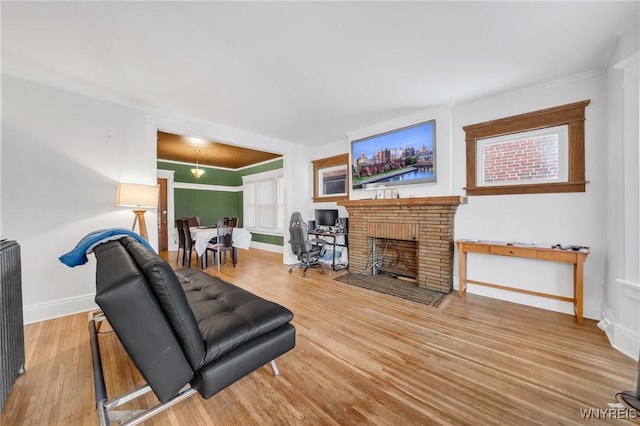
(362, 358)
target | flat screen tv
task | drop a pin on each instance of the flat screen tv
(326, 217)
(398, 157)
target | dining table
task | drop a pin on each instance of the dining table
(201, 235)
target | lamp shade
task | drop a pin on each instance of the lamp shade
(137, 195)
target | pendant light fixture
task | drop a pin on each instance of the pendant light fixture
(197, 172)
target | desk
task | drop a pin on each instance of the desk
(577, 258)
(241, 238)
(333, 235)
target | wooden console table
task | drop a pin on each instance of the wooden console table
(532, 252)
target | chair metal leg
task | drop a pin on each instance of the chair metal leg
(276, 372)
(106, 408)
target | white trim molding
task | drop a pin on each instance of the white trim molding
(205, 187)
(259, 164)
(172, 239)
(267, 247)
(36, 312)
(631, 289)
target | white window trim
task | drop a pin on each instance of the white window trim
(563, 164)
(320, 179)
(256, 178)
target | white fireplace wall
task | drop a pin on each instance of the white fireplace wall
(581, 218)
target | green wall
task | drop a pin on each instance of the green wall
(210, 206)
(268, 239)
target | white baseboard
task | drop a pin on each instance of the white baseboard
(58, 308)
(268, 247)
(622, 314)
(624, 340)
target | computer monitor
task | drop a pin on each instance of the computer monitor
(326, 217)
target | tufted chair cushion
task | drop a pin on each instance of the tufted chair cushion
(228, 316)
(166, 288)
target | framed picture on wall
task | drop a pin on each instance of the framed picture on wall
(330, 178)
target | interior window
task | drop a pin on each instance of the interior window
(536, 152)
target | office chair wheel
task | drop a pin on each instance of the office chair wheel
(290, 269)
(322, 272)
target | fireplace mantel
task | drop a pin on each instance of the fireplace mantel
(450, 200)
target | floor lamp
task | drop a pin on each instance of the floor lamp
(138, 196)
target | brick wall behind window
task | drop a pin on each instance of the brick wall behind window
(521, 160)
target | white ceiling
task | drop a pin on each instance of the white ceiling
(306, 72)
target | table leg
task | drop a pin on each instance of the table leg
(333, 264)
(462, 270)
(578, 278)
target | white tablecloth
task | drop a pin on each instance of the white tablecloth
(241, 238)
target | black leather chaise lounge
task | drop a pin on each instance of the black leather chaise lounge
(185, 331)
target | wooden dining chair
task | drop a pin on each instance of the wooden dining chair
(180, 241)
(188, 244)
(192, 221)
(222, 243)
(189, 222)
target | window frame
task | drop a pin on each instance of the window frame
(276, 178)
(337, 161)
(571, 115)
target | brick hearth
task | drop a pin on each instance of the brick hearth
(427, 220)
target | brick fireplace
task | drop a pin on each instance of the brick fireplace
(429, 221)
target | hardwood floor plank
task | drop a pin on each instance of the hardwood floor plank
(361, 358)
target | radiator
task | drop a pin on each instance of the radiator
(11, 320)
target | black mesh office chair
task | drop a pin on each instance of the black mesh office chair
(308, 251)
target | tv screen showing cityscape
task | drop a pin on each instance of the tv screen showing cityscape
(398, 157)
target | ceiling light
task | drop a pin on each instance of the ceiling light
(197, 172)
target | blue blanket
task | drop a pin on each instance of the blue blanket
(78, 256)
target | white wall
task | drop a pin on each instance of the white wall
(62, 157)
(569, 218)
(621, 310)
